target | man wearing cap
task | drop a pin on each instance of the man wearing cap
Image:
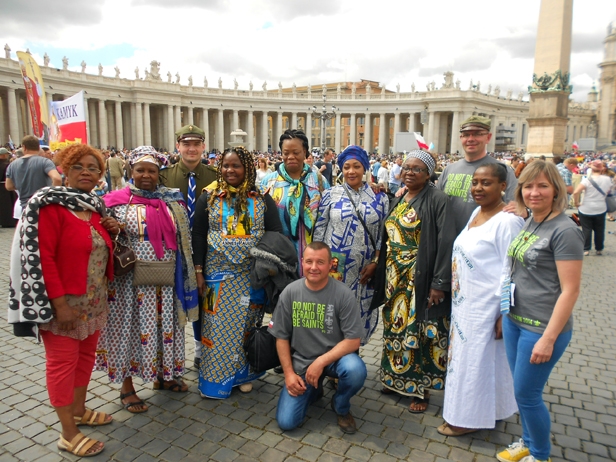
(190, 176)
(456, 179)
(7, 198)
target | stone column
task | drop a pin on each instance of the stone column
(353, 129)
(278, 129)
(455, 132)
(170, 139)
(177, 120)
(250, 131)
(432, 128)
(94, 141)
(13, 118)
(138, 108)
(382, 127)
(338, 133)
(206, 128)
(396, 124)
(412, 122)
(147, 129)
(236, 120)
(492, 142)
(220, 130)
(309, 128)
(102, 124)
(264, 132)
(368, 133)
(293, 120)
(119, 142)
(191, 117)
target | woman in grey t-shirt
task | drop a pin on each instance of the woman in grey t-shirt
(546, 268)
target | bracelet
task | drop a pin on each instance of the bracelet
(198, 270)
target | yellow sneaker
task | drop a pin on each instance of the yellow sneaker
(514, 453)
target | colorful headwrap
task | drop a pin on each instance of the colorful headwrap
(147, 154)
(425, 158)
(354, 152)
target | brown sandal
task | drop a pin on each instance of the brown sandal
(448, 430)
(93, 418)
(177, 386)
(421, 401)
(79, 445)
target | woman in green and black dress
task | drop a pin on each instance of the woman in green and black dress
(413, 280)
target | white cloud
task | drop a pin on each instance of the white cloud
(319, 41)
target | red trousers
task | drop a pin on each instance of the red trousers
(69, 365)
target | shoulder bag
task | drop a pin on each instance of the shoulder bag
(260, 347)
(123, 255)
(361, 220)
(610, 201)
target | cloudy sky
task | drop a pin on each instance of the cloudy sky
(307, 41)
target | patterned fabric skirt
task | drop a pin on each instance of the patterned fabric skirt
(416, 359)
(229, 311)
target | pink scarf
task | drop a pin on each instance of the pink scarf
(159, 222)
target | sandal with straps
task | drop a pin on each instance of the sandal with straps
(93, 418)
(79, 446)
(177, 386)
(128, 406)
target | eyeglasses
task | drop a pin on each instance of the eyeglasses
(80, 168)
(414, 169)
(473, 134)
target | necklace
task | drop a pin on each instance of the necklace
(86, 217)
(487, 215)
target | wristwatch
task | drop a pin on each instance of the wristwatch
(375, 260)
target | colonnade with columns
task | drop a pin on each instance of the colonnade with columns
(125, 113)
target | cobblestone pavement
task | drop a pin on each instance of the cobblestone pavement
(581, 395)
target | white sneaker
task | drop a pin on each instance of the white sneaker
(514, 453)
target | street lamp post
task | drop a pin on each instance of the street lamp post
(323, 115)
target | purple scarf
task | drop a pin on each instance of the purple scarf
(159, 222)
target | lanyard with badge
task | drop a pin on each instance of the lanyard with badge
(508, 287)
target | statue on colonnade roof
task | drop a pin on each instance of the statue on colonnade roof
(154, 70)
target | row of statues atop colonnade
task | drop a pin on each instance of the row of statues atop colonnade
(153, 74)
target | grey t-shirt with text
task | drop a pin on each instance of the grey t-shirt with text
(456, 180)
(29, 175)
(533, 254)
(315, 321)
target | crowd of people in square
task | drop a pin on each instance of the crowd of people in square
(471, 262)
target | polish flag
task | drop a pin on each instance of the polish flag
(575, 146)
(421, 142)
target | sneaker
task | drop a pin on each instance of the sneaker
(197, 363)
(586, 253)
(599, 252)
(514, 453)
(532, 459)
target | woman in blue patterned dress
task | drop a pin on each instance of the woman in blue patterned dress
(296, 190)
(339, 225)
(230, 219)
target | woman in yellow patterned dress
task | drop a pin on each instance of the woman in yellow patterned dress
(414, 280)
(230, 219)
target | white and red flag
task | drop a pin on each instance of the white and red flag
(68, 122)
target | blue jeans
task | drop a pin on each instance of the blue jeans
(393, 188)
(528, 383)
(351, 373)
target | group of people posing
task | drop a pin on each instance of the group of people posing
(469, 275)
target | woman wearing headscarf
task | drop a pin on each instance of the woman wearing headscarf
(67, 267)
(350, 222)
(144, 336)
(296, 190)
(231, 217)
(414, 281)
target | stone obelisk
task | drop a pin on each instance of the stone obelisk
(549, 93)
(607, 109)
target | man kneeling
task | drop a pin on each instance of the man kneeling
(318, 328)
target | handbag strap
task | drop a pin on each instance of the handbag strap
(125, 215)
(596, 185)
(361, 220)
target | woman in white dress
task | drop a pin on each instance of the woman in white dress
(479, 384)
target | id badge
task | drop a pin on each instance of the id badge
(513, 294)
(506, 295)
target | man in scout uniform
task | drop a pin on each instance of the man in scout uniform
(190, 176)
